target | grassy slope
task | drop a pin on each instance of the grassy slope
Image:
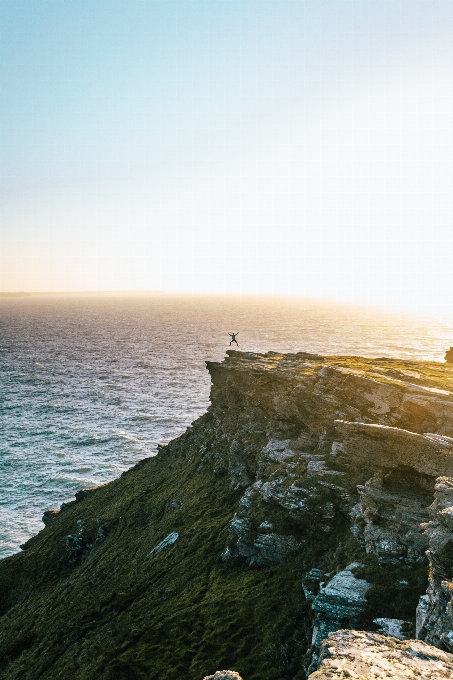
(119, 614)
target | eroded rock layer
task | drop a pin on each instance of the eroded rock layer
(314, 495)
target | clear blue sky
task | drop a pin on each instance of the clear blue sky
(299, 148)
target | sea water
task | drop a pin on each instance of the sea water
(91, 385)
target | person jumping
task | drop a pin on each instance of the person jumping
(233, 338)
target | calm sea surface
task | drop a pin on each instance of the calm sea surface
(90, 385)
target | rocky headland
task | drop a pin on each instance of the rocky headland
(303, 525)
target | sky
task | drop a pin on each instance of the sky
(298, 147)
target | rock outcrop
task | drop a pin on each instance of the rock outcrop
(388, 469)
(338, 605)
(435, 609)
(391, 627)
(359, 655)
(315, 494)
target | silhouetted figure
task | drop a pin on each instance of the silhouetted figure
(233, 338)
(449, 356)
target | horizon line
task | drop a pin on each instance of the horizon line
(26, 293)
(370, 305)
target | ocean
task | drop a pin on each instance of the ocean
(89, 385)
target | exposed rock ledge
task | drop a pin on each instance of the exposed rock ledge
(315, 494)
(368, 656)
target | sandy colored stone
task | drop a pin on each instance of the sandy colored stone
(358, 655)
(224, 675)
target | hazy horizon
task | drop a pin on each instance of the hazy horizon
(348, 306)
(252, 147)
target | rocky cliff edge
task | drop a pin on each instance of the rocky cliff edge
(315, 495)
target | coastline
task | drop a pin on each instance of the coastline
(219, 551)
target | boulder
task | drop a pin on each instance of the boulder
(168, 540)
(391, 627)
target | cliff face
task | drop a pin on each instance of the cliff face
(339, 442)
(314, 495)
(435, 610)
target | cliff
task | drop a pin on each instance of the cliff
(315, 494)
